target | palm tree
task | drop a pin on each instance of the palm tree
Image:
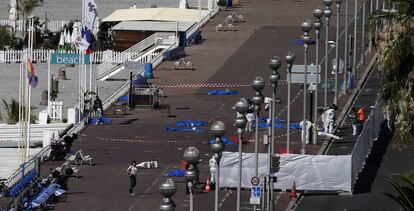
(396, 68)
(26, 8)
(12, 110)
(405, 194)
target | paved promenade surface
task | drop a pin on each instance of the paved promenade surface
(271, 29)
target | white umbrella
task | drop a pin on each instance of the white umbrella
(67, 37)
(64, 36)
(74, 34)
(61, 40)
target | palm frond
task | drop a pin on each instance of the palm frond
(403, 197)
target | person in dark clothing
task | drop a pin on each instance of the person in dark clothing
(354, 120)
(132, 172)
(97, 106)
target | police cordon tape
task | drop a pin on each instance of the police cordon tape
(202, 85)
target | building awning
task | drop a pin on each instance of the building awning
(155, 14)
(158, 26)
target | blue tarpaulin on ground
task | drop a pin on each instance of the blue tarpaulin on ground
(194, 129)
(191, 123)
(176, 173)
(123, 98)
(293, 126)
(301, 42)
(102, 120)
(225, 141)
(223, 92)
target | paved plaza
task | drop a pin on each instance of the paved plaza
(272, 28)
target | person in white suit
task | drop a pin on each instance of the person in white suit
(306, 131)
(213, 167)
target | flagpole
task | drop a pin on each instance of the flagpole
(20, 113)
(79, 83)
(30, 90)
(90, 75)
(48, 84)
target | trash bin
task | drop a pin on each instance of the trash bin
(148, 70)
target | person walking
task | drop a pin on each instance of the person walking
(361, 118)
(330, 119)
(355, 123)
(97, 106)
(132, 172)
(306, 131)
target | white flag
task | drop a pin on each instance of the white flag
(90, 13)
(81, 43)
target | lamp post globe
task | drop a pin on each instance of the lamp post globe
(166, 206)
(217, 147)
(275, 63)
(258, 99)
(167, 188)
(306, 38)
(241, 106)
(190, 174)
(327, 12)
(306, 25)
(318, 13)
(191, 155)
(240, 122)
(290, 57)
(317, 24)
(258, 84)
(218, 128)
(327, 3)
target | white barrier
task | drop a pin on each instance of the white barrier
(310, 172)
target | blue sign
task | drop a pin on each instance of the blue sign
(68, 58)
(256, 192)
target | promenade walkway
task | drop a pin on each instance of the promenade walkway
(271, 29)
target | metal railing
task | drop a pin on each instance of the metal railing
(201, 23)
(366, 138)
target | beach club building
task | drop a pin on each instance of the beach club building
(130, 26)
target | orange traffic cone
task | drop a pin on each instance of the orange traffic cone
(293, 194)
(207, 187)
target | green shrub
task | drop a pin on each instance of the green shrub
(221, 3)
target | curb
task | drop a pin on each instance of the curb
(350, 101)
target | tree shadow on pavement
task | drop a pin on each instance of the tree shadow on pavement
(373, 162)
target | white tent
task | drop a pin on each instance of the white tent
(62, 40)
(67, 37)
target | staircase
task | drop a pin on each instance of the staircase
(144, 51)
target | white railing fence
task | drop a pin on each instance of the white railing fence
(41, 56)
(200, 24)
(52, 25)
